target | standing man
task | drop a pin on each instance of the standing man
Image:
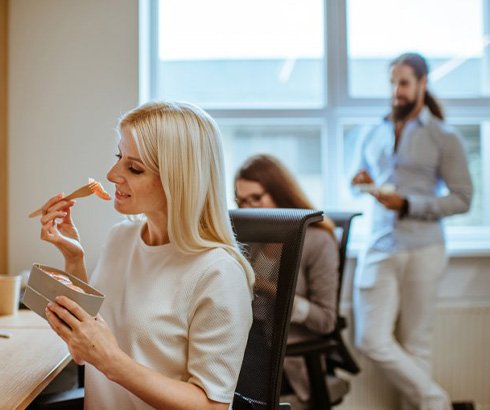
(417, 153)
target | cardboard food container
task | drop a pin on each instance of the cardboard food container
(42, 288)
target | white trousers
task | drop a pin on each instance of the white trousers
(394, 309)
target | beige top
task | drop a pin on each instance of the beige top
(315, 304)
(186, 316)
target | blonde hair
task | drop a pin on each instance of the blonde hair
(182, 144)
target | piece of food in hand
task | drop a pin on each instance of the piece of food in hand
(365, 187)
(99, 190)
(387, 188)
(373, 189)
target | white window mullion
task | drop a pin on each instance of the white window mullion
(485, 153)
(336, 91)
(486, 48)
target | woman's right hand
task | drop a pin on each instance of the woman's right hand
(57, 227)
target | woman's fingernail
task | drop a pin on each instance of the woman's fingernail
(49, 306)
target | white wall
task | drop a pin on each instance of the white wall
(73, 71)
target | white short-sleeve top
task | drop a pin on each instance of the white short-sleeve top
(185, 315)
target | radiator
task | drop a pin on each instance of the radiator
(461, 361)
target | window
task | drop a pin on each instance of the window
(304, 80)
(236, 58)
(449, 34)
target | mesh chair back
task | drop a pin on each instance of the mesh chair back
(342, 221)
(273, 240)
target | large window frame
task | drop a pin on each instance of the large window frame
(338, 108)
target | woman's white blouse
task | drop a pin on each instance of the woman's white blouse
(186, 316)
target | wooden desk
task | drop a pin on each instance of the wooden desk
(29, 360)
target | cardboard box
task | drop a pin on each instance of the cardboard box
(42, 288)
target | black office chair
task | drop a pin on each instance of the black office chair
(278, 234)
(329, 351)
(274, 239)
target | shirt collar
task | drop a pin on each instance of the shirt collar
(424, 115)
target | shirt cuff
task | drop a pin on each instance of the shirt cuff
(417, 206)
(405, 209)
(301, 309)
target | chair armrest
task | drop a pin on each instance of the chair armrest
(332, 346)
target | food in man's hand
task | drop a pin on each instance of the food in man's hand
(374, 189)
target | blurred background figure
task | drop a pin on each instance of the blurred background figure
(414, 152)
(264, 182)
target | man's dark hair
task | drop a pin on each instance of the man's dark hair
(421, 69)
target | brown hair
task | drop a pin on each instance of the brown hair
(279, 183)
(421, 69)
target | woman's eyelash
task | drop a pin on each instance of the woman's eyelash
(135, 171)
(131, 168)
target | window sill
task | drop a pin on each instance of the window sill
(465, 249)
(455, 249)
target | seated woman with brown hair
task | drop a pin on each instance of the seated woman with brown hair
(264, 182)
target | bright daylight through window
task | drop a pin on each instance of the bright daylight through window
(304, 80)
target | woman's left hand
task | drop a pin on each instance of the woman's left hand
(89, 339)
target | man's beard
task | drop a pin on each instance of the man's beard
(401, 112)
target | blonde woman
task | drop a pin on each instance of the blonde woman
(264, 182)
(172, 331)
